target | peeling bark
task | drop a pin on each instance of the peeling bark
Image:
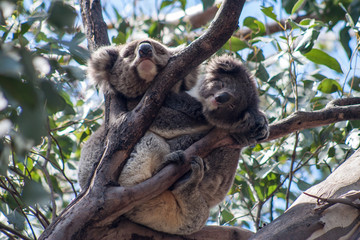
(309, 219)
(103, 202)
(96, 213)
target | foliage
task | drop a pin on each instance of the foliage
(47, 107)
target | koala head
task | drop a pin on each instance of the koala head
(129, 68)
(145, 58)
(227, 92)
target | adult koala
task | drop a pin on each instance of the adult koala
(127, 70)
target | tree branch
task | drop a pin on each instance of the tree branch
(102, 204)
(310, 223)
(335, 111)
(101, 200)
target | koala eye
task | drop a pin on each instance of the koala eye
(160, 50)
(219, 83)
(128, 51)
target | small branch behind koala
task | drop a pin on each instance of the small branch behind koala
(335, 111)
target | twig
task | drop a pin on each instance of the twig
(332, 201)
(13, 231)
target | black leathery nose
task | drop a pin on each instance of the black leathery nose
(222, 97)
(145, 50)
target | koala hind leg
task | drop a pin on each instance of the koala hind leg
(180, 211)
(194, 210)
(144, 160)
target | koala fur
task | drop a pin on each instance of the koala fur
(184, 208)
(130, 68)
(127, 69)
(229, 100)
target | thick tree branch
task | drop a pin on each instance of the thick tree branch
(338, 221)
(101, 200)
(94, 24)
(101, 205)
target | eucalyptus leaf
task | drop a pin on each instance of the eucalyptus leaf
(329, 86)
(320, 57)
(269, 11)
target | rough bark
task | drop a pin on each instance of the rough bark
(102, 203)
(96, 213)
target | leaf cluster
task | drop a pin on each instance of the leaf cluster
(48, 108)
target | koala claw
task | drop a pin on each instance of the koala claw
(177, 157)
(197, 167)
(261, 130)
(258, 130)
(192, 178)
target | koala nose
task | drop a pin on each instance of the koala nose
(222, 97)
(145, 50)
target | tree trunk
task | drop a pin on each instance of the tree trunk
(328, 210)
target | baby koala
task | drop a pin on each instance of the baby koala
(229, 100)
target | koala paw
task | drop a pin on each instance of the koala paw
(254, 129)
(177, 157)
(197, 168)
(260, 130)
(192, 178)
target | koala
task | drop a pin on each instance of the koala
(128, 70)
(228, 99)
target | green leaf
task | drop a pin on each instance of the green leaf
(354, 83)
(119, 39)
(54, 102)
(23, 92)
(62, 15)
(256, 56)
(166, 3)
(297, 6)
(345, 40)
(235, 44)
(329, 86)
(262, 74)
(34, 193)
(308, 41)
(4, 154)
(269, 11)
(303, 186)
(207, 3)
(227, 216)
(17, 219)
(255, 25)
(320, 57)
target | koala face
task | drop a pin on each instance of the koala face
(146, 58)
(227, 92)
(129, 68)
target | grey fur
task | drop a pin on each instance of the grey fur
(184, 208)
(115, 69)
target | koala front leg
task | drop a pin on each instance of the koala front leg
(253, 127)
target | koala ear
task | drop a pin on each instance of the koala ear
(225, 64)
